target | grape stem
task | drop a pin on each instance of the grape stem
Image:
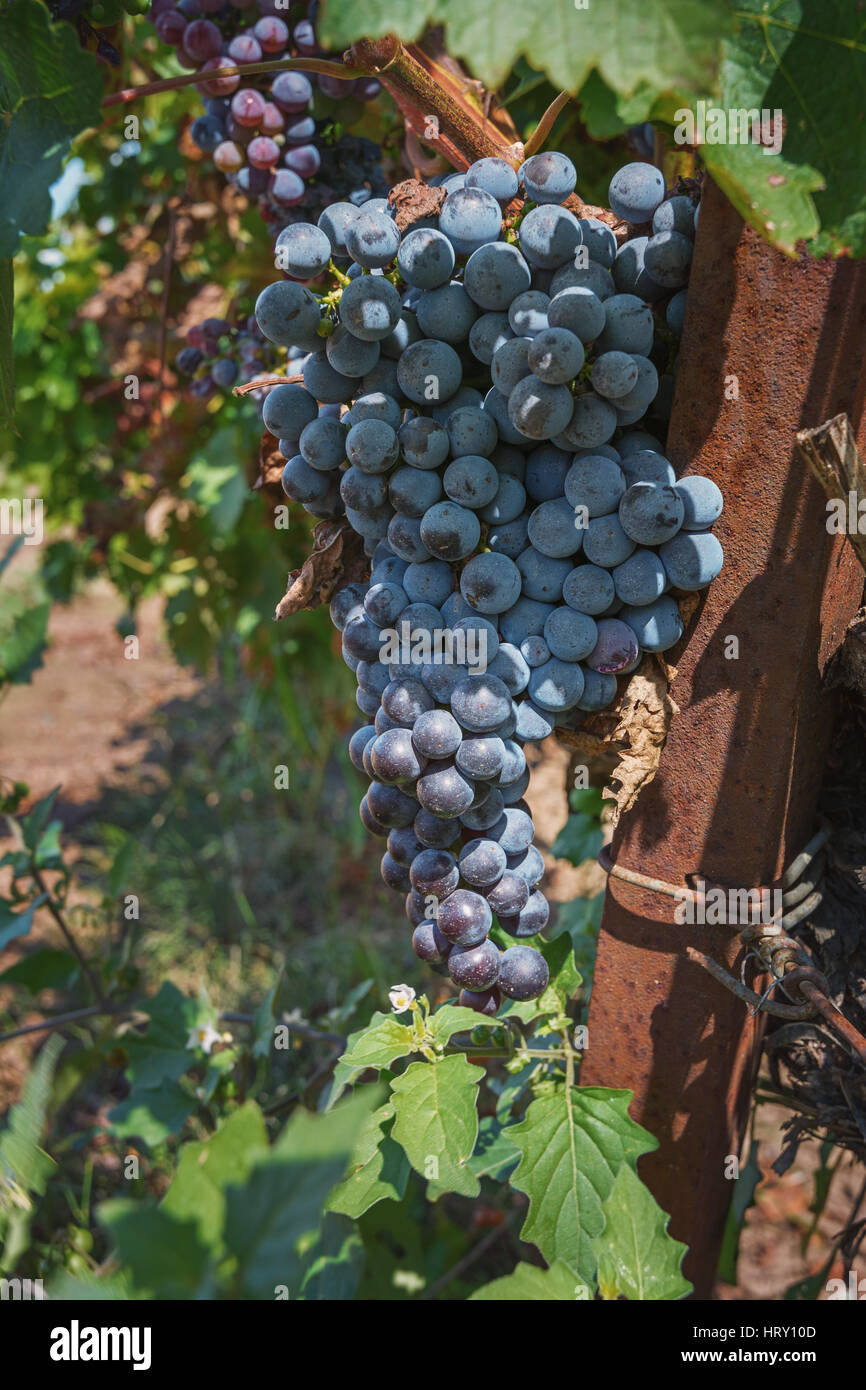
(546, 124)
(167, 84)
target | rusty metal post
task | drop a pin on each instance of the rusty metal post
(735, 792)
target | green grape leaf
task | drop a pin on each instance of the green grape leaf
(675, 45)
(573, 1143)
(22, 648)
(437, 1122)
(495, 1153)
(152, 1113)
(378, 1168)
(771, 194)
(197, 1192)
(565, 977)
(807, 59)
(579, 839)
(162, 1053)
(22, 1160)
(529, 1284)
(284, 1196)
(44, 969)
(452, 1018)
(637, 1259)
(336, 1262)
(50, 90)
(379, 1045)
(15, 924)
(164, 1256)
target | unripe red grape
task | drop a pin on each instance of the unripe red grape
(273, 121)
(171, 26)
(248, 106)
(202, 40)
(272, 33)
(305, 160)
(286, 188)
(217, 86)
(228, 158)
(245, 49)
(263, 152)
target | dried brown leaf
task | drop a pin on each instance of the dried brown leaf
(337, 559)
(414, 200)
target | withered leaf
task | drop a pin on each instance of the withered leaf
(337, 559)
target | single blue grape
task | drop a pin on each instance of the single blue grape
(496, 405)
(593, 421)
(599, 240)
(667, 258)
(527, 314)
(692, 560)
(470, 217)
(371, 445)
(336, 222)
(482, 862)
(428, 582)
(526, 618)
(370, 308)
(605, 543)
(538, 410)
(423, 442)
(542, 575)
(591, 276)
(450, 532)
(372, 239)
(656, 626)
(640, 579)
(589, 589)
(491, 583)
(702, 501)
(651, 513)
(488, 333)
(471, 480)
(363, 492)
(570, 634)
(425, 258)
(289, 315)
(628, 325)
(505, 508)
(552, 530)
(546, 469)
(549, 236)
(494, 176)
(324, 382)
(495, 275)
(630, 274)
(510, 364)
(404, 537)
(675, 215)
(429, 371)
(446, 314)
(635, 191)
(596, 483)
(323, 443)
(555, 356)
(579, 310)
(533, 723)
(548, 178)
(302, 250)
(557, 685)
(374, 406)
(414, 491)
(509, 537)
(350, 355)
(614, 374)
(287, 409)
(675, 313)
(403, 334)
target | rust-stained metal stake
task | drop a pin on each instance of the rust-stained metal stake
(770, 346)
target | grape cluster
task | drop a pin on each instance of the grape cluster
(267, 135)
(220, 354)
(521, 560)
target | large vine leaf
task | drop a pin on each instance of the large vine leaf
(453, 1018)
(204, 1170)
(573, 1143)
(637, 1259)
(378, 1168)
(674, 44)
(808, 59)
(437, 1122)
(50, 89)
(529, 1284)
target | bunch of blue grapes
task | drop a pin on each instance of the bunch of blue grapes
(269, 134)
(220, 354)
(475, 387)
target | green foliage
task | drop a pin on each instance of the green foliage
(50, 90)
(529, 1284)
(581, 837)
(573, 1142)
(675, 46)
(24, 1165)
(637, 1259)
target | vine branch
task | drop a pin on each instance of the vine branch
(167, 84)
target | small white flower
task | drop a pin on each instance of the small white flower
(401, 996)
(204, 1035)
